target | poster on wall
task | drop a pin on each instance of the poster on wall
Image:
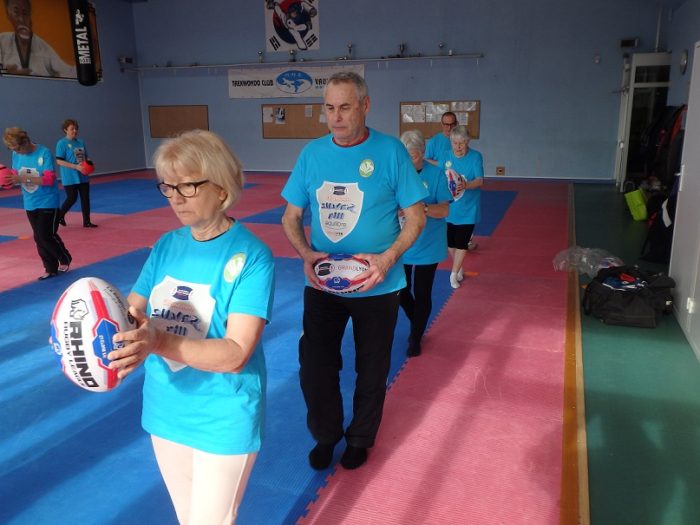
(291, 25)
(274, 82)
(39, 38)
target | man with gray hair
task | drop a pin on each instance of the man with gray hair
(353, 181)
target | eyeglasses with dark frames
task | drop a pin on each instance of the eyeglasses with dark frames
(451, 124)
(186, 189)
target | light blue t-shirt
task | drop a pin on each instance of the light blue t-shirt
(36, 196)
(192, 287)
(437, 146)
(466, 208)
(431, 245)
(354, 194)
(75, 152)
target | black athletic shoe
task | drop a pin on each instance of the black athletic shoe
(321, 456)
(62, 221)
(353, 457)
(47, 275)
(89, 225)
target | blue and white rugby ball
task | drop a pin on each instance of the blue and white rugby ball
(84, 320)
(337, 273)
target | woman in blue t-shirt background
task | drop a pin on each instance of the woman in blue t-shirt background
(33, 170)
(74, 166)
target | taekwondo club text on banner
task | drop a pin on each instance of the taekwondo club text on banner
(277, 82)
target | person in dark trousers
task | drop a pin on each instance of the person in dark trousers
(33, 170)
(353, 181)
(71, 157)
(420, 260)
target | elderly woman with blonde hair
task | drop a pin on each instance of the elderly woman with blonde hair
(33, 169)
(201, 302)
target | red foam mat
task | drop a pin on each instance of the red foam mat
(472, 428)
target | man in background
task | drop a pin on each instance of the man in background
(439, 144)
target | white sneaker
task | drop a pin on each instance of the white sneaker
(454, 283)
(460, 275)
(471, 246)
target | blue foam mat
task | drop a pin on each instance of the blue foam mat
(120, 197)
(494, 204)
(60, 445)
(274, 216)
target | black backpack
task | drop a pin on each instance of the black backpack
(627, 296)
(657, 246)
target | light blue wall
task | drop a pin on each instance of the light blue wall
(109, 113)
(547, 109)
(683, 32)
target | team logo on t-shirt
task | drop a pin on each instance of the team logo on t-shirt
(182, 293)
(79, 154)
(233, 267)
(181, 308)
(339, 207)
(366, 168)
(29, 187)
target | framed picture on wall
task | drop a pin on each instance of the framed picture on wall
(36, 39)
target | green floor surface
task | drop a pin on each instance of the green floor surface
(642, 392)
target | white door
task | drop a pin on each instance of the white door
(685, 255)
(645, 83)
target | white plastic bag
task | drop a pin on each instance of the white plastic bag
(585, 260)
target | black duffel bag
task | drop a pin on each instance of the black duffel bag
(627, 296)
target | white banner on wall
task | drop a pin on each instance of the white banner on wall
(291, 24)
(292, 81)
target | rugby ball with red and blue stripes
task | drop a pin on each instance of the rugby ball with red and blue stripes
(86, 317)
(338, 273)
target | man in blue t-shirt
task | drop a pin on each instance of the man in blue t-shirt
(353, 181)
(439, 144)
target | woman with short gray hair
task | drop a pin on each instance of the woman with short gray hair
(420, 260)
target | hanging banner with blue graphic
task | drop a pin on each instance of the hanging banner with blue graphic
(292, 81)
(291, 25)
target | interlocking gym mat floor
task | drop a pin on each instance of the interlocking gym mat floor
(472, 428)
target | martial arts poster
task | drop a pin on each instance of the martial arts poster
(36, 39)
(292, 81)
(291, 25)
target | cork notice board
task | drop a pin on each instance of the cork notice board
(425, 116)
(293, 121)
(168, 121)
